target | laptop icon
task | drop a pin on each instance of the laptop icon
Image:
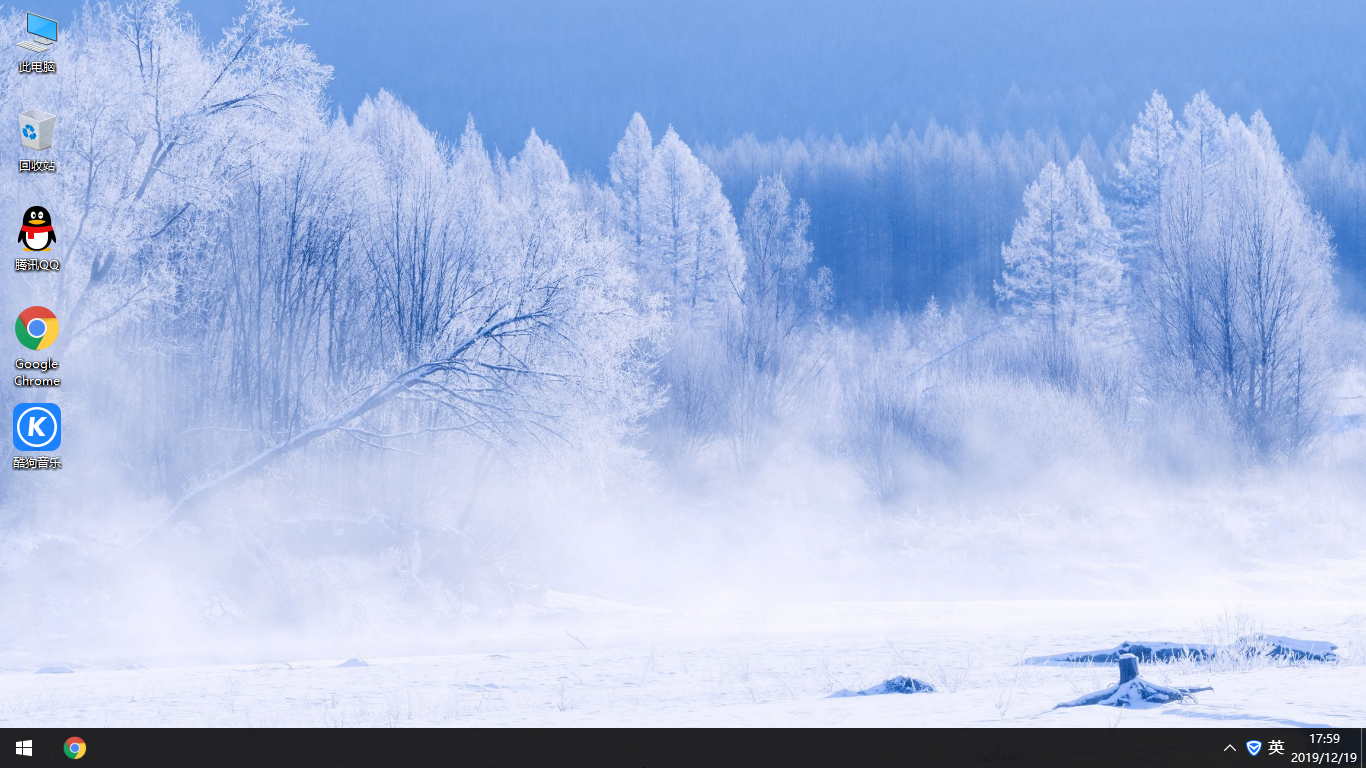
(44, 31)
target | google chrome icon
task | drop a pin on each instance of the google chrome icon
(75, 748)
(36, 327)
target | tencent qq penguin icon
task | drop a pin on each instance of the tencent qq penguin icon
(37, 427)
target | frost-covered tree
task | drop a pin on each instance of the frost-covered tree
(777, 295)
(276, 317)
(1335, 184)
(763, 367)
(635, 174)
(678, 225)
(1152, 150)
(1061, 266)
(164, 141)
(535, 329)
(252, 278)
(410, 237)
(686, 251)
(695, 258)
(905, 216)
(1238, 299)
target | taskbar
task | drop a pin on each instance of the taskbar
(597, 746)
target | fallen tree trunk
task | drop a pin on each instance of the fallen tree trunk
(1247, 646)
(490, 331)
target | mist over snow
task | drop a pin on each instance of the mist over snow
(336, 384)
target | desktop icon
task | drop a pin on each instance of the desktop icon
(75, 748)
(36, 327)
(36, 233)
(35, 129)
(44, 31)
(38, 427)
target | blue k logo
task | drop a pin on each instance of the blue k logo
(37, 427)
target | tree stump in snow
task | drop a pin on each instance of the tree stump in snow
(1132, 690)
(1128, 667)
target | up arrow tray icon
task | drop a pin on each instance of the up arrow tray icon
(1235, 749)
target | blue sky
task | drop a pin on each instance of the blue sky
(719, 69)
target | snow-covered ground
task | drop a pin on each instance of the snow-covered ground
(582, 662)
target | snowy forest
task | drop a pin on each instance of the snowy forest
(334, 374)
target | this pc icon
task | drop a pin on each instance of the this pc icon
(44, 31)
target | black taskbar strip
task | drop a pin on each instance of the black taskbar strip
(1252, 745)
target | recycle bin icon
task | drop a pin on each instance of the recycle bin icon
(35, 128)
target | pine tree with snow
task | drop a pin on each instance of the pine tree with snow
(679, 226)
(634, 173)
(696, 259)
(1152, 151)
(1061, 266)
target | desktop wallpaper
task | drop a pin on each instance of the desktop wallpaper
(702, 363)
